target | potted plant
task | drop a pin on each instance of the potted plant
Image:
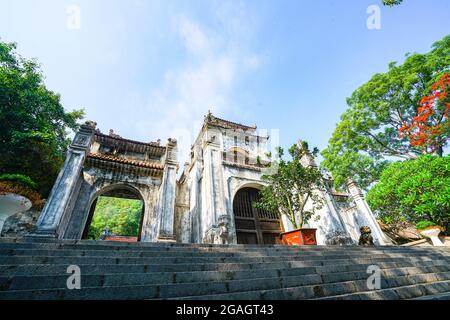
(430, 230)
(17, 194)
(292, 190)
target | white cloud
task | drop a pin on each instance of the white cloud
(253, 62)
(216, 61)
(194, 38)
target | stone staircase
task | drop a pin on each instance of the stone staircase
(112, 270)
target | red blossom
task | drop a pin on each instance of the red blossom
(432, 120)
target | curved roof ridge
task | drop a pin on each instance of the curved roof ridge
(116, 137)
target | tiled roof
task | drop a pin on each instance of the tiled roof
(151, 144)
(138, 163)
(210, 119)
(339, 194)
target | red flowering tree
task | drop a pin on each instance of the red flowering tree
(430, 128)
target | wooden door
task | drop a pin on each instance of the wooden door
(254, 226)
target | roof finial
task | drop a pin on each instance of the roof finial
(113, 134)
(209, 115)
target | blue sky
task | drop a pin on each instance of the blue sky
(152, 69)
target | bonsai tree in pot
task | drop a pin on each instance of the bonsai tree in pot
(17, 194)
(293, 190)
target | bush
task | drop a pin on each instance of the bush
(414, 191)
(421, 225)
(19, 178)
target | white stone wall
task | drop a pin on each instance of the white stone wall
(327, 220)
(97, 182)
(197, 207)
(212, 185)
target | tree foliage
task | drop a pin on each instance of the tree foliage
(391, 3)
(119, 216)
(369, 131)
(414, 190)
(33, 134)
(293, 188)
(430, 128)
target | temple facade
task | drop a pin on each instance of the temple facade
(207, 200)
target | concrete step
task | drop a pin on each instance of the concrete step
(77, 260)
(54, 281)
(174, 254)
(111, 270)
(435, 296)
(439, 290)
(311, 287)
(114, 246)
(318, 266)
(393, 289)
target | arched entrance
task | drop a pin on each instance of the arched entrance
(116, 214)
(254, 226)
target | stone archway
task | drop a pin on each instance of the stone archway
(121, 191)
(254, 226)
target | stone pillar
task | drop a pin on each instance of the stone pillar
(61, 194)
(331, 224)
(195, 202)
(166, 208)
(367, 215)
(213, 192)
(2, 222)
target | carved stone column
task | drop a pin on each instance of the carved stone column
(333, 224)
(63, 189)
(364, 210)
(167, 195)
(214, 188)
(196, 196)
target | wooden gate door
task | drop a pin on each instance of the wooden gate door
(254, 226)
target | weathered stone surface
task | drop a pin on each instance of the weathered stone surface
(198, 207)
(20, 224)
(37, 270)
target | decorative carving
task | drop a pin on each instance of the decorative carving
(112, 134)
(172, 151)
(81, 140)
(213, 139)
(366, 238)
(218, 234)
(223, 230)
(90, 123)
(209, 236)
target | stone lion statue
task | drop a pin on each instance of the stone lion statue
(365, 239)
(223, 230)
(218, 234)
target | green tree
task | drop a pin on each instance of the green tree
(368, 133)
(413, 191)
(34, 130)
(119, 216)
(293, 188)
(391, 3)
